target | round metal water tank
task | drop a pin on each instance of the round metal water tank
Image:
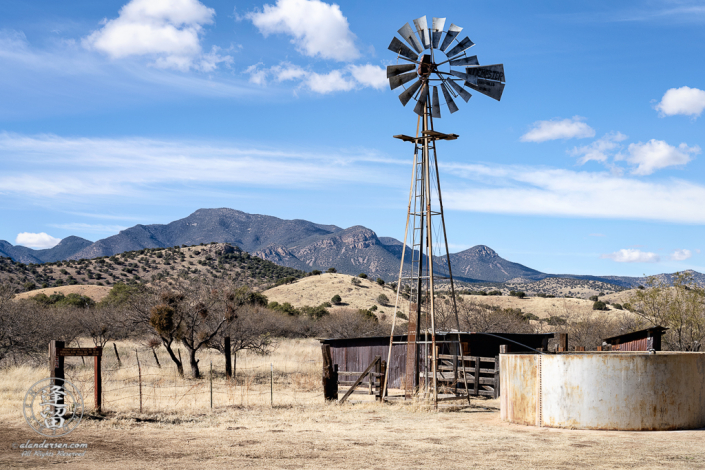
(604, 390)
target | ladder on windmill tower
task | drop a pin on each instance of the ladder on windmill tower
(427, 376)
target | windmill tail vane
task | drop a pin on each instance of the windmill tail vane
(429, 59)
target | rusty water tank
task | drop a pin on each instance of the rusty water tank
(634, 391)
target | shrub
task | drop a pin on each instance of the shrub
(380, 281)
(373, 308)
(593, 298)
(494, 292)
(555, 321)
(618, 306)
(315, 272)
(382, 299)
(599, 305)
(355, 281)
(362, 276)
(519, 294)
(336, 300)
(332, 270)
(401, 315)
(367, 314)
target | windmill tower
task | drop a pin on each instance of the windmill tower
(435, 59)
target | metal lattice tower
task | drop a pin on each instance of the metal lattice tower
(425, 234)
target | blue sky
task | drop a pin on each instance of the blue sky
(115, 113)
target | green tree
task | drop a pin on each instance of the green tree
(332, 270)
(362, 276)
(679, 307)
(599, 305)
(380, 281)
(382, 299)
(336, 300)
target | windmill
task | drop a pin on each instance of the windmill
(429, 59)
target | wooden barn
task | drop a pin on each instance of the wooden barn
(352, 356)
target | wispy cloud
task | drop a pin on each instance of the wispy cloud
(96, 228)
(556, 129)
(530, 190)
(681, 255)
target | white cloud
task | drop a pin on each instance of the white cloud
(348, 78)
(329, 82)
(167, 30)
(684, 100)
(630, 255)
(554, 192)
(318, 29)
(657, 154)
(370, 75)
(600, 150)
(574, 128)
(681, 255)
(36, 240)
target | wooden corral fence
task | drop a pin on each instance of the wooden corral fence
(375, 373)
(456, 374)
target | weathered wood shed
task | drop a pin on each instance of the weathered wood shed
(641, 340)
(355, 354)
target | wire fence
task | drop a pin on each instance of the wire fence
(151, 388)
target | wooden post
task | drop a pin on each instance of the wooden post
(227, 352)
(98, 381)
(330, 381)
(382, 384)
(477, 376)
(56, 366)
(139, 373)
(117, 355)
(599, 348)
(580, 348)
(504, 349)
(562, 342)
(496, 377)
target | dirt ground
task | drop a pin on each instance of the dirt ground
(353, 436)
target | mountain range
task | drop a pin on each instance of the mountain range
(298, 244)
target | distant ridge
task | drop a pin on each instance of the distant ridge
(297, 244)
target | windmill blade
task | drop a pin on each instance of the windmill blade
(460, 47)
(393, 70)
(453, 31)
(400, 48)
(460, 90)
(409, 92)
(489, 88)
(464, 61)
(464, 76)
(399, 80)
(436, 105)
(423, 97)
(437, 27)
(422, 29)
(452, 107)
(488, 72)
(408, 34)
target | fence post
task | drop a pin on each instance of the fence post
(496, 377)
(56, 367)
(477, 376)
(98, 381)
(271, 385)
(139, 374)
(330, 379)
(117, 355)
(383, 374)
(211, 385)
(562, 342)
(228, 364)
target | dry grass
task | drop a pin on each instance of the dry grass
(244, 431)
(314, 290)
(97, 293)
(543, 307)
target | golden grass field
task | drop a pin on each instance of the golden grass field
(97, 293)
(178, 430)
(314, 290)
